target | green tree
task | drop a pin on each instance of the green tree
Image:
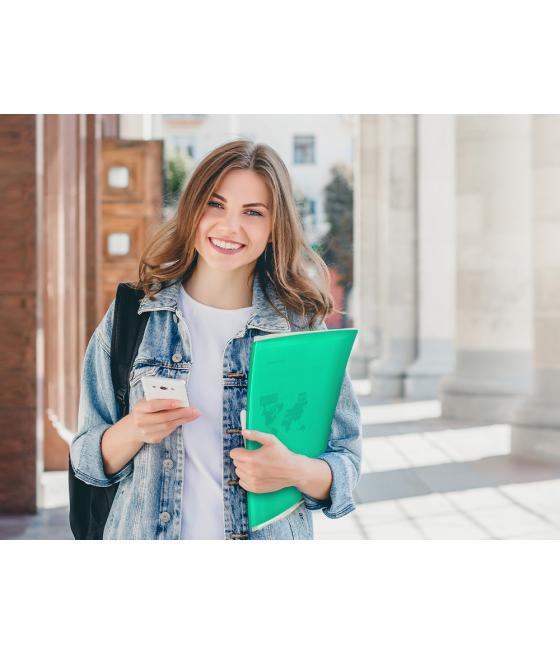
(177, 169)
(337, 244)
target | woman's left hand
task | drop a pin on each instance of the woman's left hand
(271, 467)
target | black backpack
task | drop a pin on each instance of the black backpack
(90, 505)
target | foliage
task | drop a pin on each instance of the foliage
(177, 169)
(337, 245)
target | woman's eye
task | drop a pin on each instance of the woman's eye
(213, 203)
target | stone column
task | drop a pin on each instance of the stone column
(536, 424)
(436, 256)
(397, 262)
(493, 368)
(370, 199)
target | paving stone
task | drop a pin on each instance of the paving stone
(396, 530)
(387, 511)
(449, 526)
(541, 496)
(418, 451)
(505, 522)
(549, 533)
(343, 528)
(482, 497)
(381, 455)
(428, 505)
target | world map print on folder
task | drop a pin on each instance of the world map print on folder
(294, 383)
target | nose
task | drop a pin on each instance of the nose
(232, 220)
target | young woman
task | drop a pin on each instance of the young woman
(232, 264)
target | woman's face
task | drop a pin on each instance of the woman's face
(239, 212)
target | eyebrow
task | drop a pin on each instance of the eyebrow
(248, 204)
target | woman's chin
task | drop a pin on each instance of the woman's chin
(226, 263)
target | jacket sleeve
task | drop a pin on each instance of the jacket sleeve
(98, 410)
(343, 454)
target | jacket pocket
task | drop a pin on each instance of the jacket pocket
(300, 522)
(140, 370)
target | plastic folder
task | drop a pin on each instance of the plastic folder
(293, 388)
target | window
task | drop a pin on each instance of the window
(184, 145)
(312, 209)
(304, 149)
(118, 177)
(118, 243)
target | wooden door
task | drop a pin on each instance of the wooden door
(131, 208)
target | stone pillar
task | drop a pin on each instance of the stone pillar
(370, 199)
(397, 262)
(536, 424)
(493, 368)
(436, 256)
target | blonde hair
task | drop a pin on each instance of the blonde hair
(289, 258)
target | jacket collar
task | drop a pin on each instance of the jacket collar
(263, 316)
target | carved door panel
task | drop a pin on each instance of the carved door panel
(131, 208)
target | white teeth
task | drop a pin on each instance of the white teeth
(224, 244)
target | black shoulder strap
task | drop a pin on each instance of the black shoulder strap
(126, 337)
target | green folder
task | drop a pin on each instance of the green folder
(293, 388)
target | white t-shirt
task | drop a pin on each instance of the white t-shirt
(210, 329)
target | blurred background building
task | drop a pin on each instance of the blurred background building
(441, 235)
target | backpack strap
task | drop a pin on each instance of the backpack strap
(126, 337)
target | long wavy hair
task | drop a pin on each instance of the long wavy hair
(299, 275)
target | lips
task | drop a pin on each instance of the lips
(225, 251)
(227, 241)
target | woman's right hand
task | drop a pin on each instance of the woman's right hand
(153, 420)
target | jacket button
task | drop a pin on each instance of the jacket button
(176, 357)
(168, 464)
(165, 517)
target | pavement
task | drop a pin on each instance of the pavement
(422, 477)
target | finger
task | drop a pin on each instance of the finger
(163, 416)
(260, 437)
(161, 429)
(166, 427)
(157, 404)
(240, 454)
(245, 485)
(240, 472)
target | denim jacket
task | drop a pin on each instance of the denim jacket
(148, 502)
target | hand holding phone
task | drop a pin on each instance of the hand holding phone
(164, 408)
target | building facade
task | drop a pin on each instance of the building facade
(457, 274)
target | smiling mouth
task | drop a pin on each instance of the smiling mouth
(226, 250)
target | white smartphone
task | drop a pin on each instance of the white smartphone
(157, 387)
